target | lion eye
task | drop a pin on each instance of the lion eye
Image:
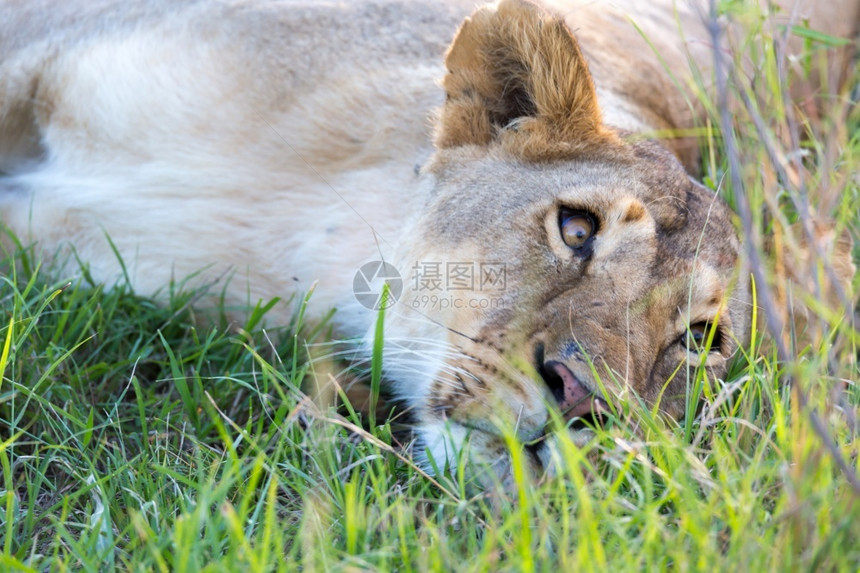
(697, 335)
(576, 228)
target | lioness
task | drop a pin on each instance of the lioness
(542, 258)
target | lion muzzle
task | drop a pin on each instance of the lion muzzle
(574, 399)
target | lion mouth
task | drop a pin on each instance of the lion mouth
(574, 399)
(579, 406)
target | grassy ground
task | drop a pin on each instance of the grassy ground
(131, 439)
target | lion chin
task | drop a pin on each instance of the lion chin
(548, 265)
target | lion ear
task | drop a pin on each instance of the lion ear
(513, 67)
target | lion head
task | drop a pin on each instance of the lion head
(576, 269)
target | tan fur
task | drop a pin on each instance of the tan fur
(517, 68)
(804, 289)
(273, 147)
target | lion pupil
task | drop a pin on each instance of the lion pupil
(697, 336)
(576, 229)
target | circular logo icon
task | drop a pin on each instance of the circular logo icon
(369, 282)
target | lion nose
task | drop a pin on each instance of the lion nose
(574, 399)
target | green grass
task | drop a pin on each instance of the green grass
(132, 439)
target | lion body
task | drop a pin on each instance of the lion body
(263, 148)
